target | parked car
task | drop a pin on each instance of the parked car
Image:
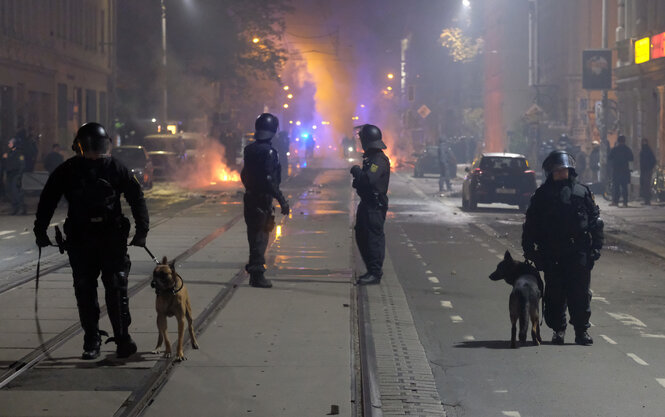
(498, 178)
(138, 161)
(165, 164)
(427, 162)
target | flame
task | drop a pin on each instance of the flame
(208, 167)
(223, 173)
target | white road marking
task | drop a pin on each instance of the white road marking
(511, 413)
(492, 250)
(487, 229)
(627, 319)
(600, 299)
(485, 245)
(24, 233)
(8, 259)
(437, 293)
(446, 304)
(424, 263)
(436, 288)
(500, 257)
(429, 272)
(409, 245)
(456, 319)
(608, 340)
(434, 280)
(469, 338)
(6, 232)
(637, 359)
(418, 256)
(53, 224)
(9, 237)
(661, 381)
(500, 391)
(653, 336)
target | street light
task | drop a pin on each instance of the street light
(466, 3)
(165, 94)
(255, 40)
(289, 96)
(286, 106)
(390, 76)
(286, 88)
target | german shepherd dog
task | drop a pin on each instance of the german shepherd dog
(523, 302)
(172, 300)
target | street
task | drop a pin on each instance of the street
(440, 327)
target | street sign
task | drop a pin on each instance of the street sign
(424, 111)
(597, 69)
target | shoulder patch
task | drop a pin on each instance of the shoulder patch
(374, 168)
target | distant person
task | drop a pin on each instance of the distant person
(581, 161)
(13, 163)
(53, 158)
(594, 161)
(444, 170)
(282, 144)
(619, 158)
(30, 148)
(647, 164)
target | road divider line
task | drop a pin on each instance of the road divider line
(6, 232)
(661, 381)
(24, 233)
(500, 257)
(492, 250)
(653, 336)
(429, 272)
(637, 359)
(446, 304)
(469, 338)
(434, 280)
(600, 299)
(608, 340)
(511, 413)
(501, 391)
(456, 319)
(9, 237)
(627, 319)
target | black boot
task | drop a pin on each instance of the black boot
(363, 276)
(125, 347)
(557, 337)
(369, 279)
(91, 346)
(257, 280)
(582, 338)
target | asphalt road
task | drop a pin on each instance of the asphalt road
(443, 257)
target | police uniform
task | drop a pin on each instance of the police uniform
(563, 235)
(96, 239)
(14, 166)
(261, 176)
(371, 183)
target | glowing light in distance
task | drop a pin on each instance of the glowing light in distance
(289, 96)
(286, 88)
(390, 76)
(286, 106)
(314, 127)
(290, 122)
(298, 123)
(288, 154)
(154, 120)
(466, 3)
(256, 40)
(362, 106)
(389, 88)
(278, 231)
(325, 123)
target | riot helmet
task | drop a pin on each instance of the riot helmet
(556, 160)
(370, 138)
(91, 137)
(265, 126)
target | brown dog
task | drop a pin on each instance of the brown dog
(172, 300)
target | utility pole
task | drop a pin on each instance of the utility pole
(165, 95)
(604, 144)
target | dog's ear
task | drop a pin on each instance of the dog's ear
(165, 261)
(507, 256)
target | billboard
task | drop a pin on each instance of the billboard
(642, 49)
(597, 69)
(658, 46)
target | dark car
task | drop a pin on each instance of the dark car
(427, 162)
(138, 161)
(498, 178)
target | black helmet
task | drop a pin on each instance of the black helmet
(265, 126)
(556, 160)
(91, 137)
(370, 137)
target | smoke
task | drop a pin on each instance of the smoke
(205, 166)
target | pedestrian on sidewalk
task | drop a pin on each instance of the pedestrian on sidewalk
(620, 157)
(14, 165)
(261, 176)
(647, 164)
(96, 232)
(371, 184)
(563, 235)
(53, 158)
(444, 171)
(594, 161)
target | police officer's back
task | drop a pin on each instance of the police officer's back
(96, 232)
(371, 183)
(563, 235)
(261, 176)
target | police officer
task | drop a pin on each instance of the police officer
(261, 176)
(96, 232)
(371, 184)
(563, 235)
(14, 165)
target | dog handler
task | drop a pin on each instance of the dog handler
(96, 231)
(261, 176)
(371, 184)
(563, 235)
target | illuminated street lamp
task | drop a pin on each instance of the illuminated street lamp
(286, 105)
(289, 96)
(255, 40)
(286, 88)
(390, 76)
(466, 3)
(389, 88)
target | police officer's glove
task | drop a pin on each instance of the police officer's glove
(595, 254)
(138, 240)
(286, 209)
(43, 240)
(356, 170)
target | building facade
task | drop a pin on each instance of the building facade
(640, 73)
(56, 68)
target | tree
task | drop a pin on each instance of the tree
(462, 48)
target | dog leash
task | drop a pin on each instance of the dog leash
(151, 255)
